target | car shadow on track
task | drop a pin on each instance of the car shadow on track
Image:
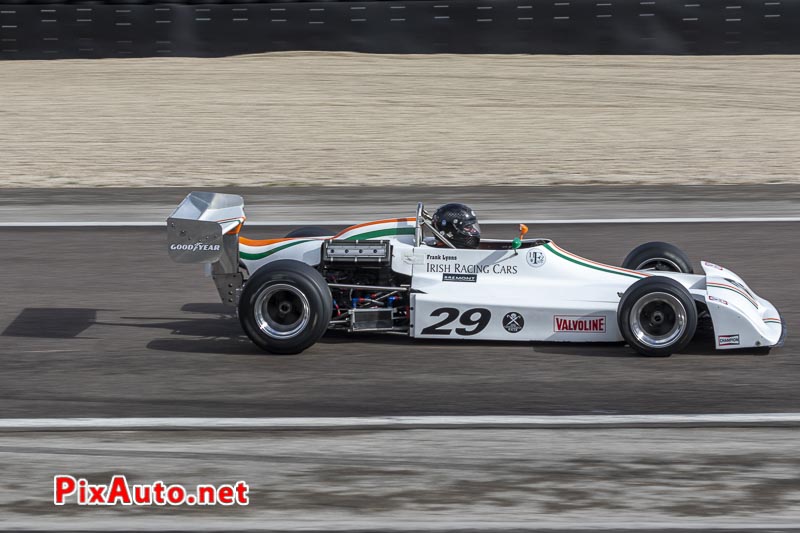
(222, 334)
(204, 336)
(217, 333)
(51, 323)
(213, 329)
(702, 344)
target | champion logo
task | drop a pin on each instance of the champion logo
(728, 340)
(574, 324)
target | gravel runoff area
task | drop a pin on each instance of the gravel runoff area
(420, 480)
(342, 118)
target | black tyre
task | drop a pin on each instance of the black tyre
(658, 256)
(309, 231)
(657, 316)
(285, 307)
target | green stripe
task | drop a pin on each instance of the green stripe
(381, 233)
(596, 267)
(262, 255)
(737, 291)
(357, 237)
(772, 321)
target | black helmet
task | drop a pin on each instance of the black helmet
(459, 224)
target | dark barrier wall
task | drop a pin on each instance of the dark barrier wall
(32, 31)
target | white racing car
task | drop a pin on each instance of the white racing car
(405, 276)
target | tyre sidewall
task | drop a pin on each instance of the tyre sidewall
(308, 281)
(658, 250)
(646, 286)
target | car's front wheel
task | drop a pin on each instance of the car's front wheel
(285, 307)
(657, 316)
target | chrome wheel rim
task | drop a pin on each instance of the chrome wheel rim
(282, 311)
(658, 319)
(659, 263)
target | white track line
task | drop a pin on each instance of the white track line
(400, 422)
(143, 224)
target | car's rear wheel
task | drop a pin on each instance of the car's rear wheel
(285, 307)
(661, 256)
(657, 316)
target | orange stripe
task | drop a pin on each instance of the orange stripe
(385, 221)
(264, 242)
(599, 264)
(267, 242)
(236, 230)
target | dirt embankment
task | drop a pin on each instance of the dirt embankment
(332, 119)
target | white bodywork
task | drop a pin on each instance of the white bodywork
(225, 209)
(741, 318)
(539, 292)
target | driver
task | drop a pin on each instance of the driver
(459, 224)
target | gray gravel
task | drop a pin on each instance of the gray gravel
(363, 119)
(421, 479)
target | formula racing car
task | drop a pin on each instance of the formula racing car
(406, 276)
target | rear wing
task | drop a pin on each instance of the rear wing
(204, 229)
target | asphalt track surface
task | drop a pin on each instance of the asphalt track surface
(281, 205)
(99, 322)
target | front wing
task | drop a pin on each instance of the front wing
(741, 318)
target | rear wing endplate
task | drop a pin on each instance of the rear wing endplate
(204, 229)
(194, 241)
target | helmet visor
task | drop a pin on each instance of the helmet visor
(471, 228)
